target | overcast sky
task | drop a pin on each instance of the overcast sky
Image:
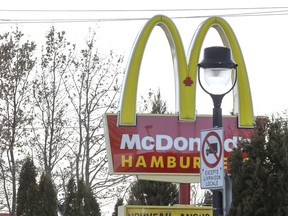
(261, 33)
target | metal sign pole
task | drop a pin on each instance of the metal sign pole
(217, 195)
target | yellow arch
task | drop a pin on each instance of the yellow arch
(129, 90)
(186, 94)
(242, 92)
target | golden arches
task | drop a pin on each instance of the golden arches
(185, 73)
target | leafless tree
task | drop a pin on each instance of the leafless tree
(16, 64)
(50, 101)
(92, 92)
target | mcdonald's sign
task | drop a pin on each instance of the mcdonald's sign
(168, 144)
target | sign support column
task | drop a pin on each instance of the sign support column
(217, 122)
(184, 194)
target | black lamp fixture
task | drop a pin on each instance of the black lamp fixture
(218, 67)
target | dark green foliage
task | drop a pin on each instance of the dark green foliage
(80, 197)
(70, 205)
(260, 185)
(153, 193)
(87, 203)
(118, 203)
(91, 207)
(27, 196)
(48, 196)
(80, 202)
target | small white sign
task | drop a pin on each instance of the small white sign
(212, 159)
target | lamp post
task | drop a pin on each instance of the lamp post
(218, 70)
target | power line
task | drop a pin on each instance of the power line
(274, 12)
(139, 10)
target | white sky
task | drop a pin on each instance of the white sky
(263, 40)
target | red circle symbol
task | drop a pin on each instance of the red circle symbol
(212, 149)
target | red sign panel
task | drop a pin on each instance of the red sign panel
(162, 144)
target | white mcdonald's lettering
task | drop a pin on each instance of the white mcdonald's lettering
(160, 143)
(163, 142)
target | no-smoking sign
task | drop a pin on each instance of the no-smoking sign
(212, 159)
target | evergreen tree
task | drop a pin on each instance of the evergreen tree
(80, 202)
(48, 196)
(260, 185)
(87, 203)
(71, 205)
(118, 203)
(91, 206)
(27, 196)
(80, 195)
(153, 193)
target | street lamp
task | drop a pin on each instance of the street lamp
(218, 68)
